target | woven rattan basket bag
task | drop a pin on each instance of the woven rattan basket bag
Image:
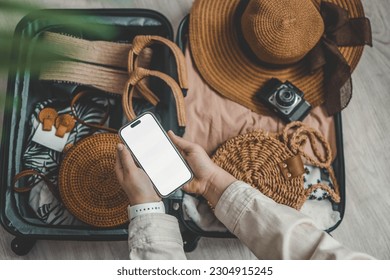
(87, 181)
(273, 163)
(88, 185)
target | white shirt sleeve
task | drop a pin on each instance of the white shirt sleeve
(155, 236)
(275, 231)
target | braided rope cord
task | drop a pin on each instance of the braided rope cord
(254, 158)
(297, 140)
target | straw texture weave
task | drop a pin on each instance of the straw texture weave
(285, 41)
(222, 63)
(88, 184)
(255, 157)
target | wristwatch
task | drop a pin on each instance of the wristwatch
(145, 208)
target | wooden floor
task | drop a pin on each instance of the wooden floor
(366, 225)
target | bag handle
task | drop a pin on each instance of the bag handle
(100, 125)
(295, 135)
(140, 42)
(138, 75)
(32, 172)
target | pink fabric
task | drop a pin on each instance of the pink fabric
(212, 119)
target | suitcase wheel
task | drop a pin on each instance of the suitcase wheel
(21, 246)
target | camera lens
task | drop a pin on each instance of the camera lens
(285, 97)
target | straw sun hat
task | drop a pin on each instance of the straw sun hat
(238, 45)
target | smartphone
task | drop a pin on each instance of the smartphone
(154, 152)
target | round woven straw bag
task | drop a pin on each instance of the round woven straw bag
(88, 184)
(275, 166)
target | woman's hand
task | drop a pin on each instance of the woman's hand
(209, 180)
(134, 181)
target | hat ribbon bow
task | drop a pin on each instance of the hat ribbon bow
(340, 30)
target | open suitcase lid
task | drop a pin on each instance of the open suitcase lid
(191, 232)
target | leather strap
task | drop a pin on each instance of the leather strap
(92, 125)
(140, 73)
(142, 41)
(32, 172)
(292, 167)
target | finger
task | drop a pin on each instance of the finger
(180, 142)
(118, 168)
(187, 188)
(125, 158)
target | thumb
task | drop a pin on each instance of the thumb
(182, 144)
(126, 161)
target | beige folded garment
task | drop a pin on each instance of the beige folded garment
(213, 119)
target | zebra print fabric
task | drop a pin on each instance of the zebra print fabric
(46, 161)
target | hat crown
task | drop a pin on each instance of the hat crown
(281, 31)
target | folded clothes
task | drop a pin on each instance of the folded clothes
(213, 119)
(47, 161)
(48, 208)
(198, 211)
(317, 206)
(315, 175)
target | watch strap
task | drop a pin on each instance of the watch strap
(145, 208)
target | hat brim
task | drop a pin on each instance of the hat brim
(222, 63)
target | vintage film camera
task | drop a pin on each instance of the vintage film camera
(285, 99)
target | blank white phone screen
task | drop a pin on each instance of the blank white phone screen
(156, 155)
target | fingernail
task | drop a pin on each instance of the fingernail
(120, 147)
